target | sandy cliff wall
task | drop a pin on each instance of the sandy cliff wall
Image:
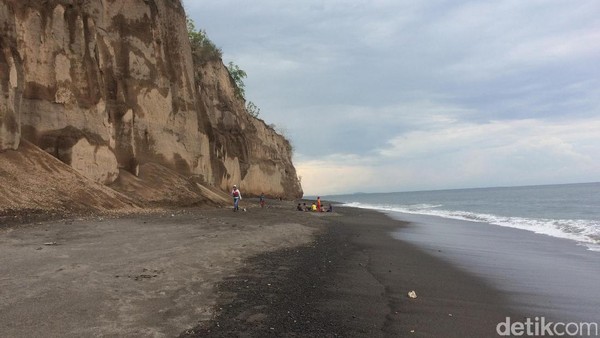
(248, 152)
(107, 86)
(11, 82)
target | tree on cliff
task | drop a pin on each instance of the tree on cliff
(203, 49)
(252, 109)
(238, 75)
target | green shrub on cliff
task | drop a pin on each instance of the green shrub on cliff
(203, 49)
(252, 109)
(238, 75)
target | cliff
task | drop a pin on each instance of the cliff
(109, 88)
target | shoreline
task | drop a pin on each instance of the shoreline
(212, 272)
(543, 276)
(353, 280)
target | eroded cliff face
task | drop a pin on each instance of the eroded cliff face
(107, 86)
(248, 152)
(11, 82)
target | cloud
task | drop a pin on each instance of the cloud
(337, 172)
(502, 38)
(504, 137)
(466, 155)
(362, 129)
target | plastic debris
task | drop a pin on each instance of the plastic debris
(412, 294)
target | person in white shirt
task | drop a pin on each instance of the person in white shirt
(237, 196)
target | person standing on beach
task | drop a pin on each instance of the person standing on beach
(262, 200)
(237, 196)
(319, 204)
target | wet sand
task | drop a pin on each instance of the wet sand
(265, 272)
(543, 276)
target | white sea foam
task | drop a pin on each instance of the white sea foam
(586, 232)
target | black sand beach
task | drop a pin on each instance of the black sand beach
(265, 272)
(353, 281)
(543, 276)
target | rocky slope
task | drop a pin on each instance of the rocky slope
(108, 88)
(35, 185)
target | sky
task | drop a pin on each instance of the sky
(399, 95)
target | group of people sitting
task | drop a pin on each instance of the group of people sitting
(316, 206)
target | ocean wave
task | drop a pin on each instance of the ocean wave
(586, 232)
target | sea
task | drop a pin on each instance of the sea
(537, 245)
(570, 211)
